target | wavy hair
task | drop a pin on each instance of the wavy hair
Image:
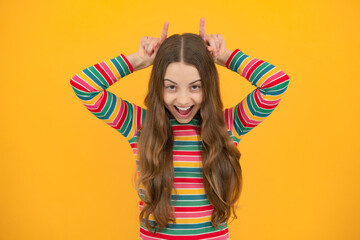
(222, 177)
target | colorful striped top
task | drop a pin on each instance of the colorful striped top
(192, 208)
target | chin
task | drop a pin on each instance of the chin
(182, 120)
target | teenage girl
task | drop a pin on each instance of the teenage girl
(189, 176)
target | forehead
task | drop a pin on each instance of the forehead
(180, 72)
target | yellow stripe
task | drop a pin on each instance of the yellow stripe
(271, 97)
(267, 75)
(188, 164)
(89, 81)
(243, 64)
(92, 100)
(187, 138)
(188, 191)
(248, 113)
(115, 112)
(113, 69)
(187, 220)
(132, 130)
(233, 129)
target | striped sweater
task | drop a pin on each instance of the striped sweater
(192, 208)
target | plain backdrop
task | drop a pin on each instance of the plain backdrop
(65, 175)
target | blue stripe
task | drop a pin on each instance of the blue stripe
(263, 72)
(88, 73)
(189, 197)
(118, 67)
(186, 143)
(182, 169)
(106, 111)
(239, 62)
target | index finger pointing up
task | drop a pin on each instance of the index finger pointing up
(164, 31)
(202, 28)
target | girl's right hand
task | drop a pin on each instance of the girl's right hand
(149, 47)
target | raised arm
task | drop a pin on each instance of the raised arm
(90, 86)
(270, 81)
(271, 84)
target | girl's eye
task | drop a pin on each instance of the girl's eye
(195, 87)
(171, 87)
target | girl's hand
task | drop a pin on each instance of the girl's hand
(149, 47)
(215, 44)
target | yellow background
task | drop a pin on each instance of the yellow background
(64, 174)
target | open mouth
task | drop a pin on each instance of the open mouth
(184, 112)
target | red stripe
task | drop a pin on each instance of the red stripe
(138, 118)
(78, 86)
(231, 57)
(242, 120)
(226, 114)
(194, 237)
(259, 104)
(188, 180)
(188, 209)
(186, 127)
(276, 82)
(253, 68)
(187, 153)
(128, 63)
(103, 73)
(102, 100)
(123, 117)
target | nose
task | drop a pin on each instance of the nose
(184, 98)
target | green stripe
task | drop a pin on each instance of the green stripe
(123, 64)
(99, 76)
(187, 148)
(257, 70)
(190, 175)
(129, 114)
(234, 60)
(106, 107)
(192, 203)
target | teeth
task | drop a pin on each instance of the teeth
(183, 109)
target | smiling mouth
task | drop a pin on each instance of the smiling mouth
(184, 112)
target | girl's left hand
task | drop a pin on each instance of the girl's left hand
(215, 44)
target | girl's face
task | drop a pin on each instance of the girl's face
(182, 91)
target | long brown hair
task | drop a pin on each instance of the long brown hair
(222, 177)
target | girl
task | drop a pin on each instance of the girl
(189, 177)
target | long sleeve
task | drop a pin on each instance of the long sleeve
(271, 84)
(90, 87)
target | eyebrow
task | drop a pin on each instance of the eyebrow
(176, 83)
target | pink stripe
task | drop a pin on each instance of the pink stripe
(144, 237)
(187, 158)
(86, 85)
(185, 133)
(193, 214)
(220, 235)
(248, 66)
(108, 71)
(119, 114)
(265, 101)
(247, 119)
(223, 237)
(95, 107)
(188, 185)
(273, 78)
(189, 215)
